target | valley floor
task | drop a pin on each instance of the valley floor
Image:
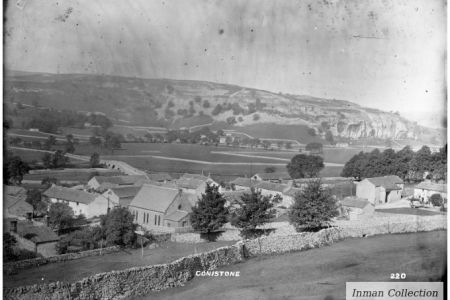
(321, 273)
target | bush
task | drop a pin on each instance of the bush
(436, 200)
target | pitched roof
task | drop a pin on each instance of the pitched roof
(325, 180)
(388, 182)
(35, 233)
(431, 186)
(177, 215)
(190, 183)
(126, 191)
(159, 176)
(273, 176)
(354, 201)
(153, 197)
(234, 196)
(196, 176)
(68, 194)
(190, 199)
(247, 182)
(121, 180)
(15, 201)
(292, 191)
(271, 186)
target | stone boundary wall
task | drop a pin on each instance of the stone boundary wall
(142, 280)
(274, 244)
(134, 281)
(10, 267)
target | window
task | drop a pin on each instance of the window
(137, 215)
(155, 219)
(143, 218)
(159, 220)
(78, 203)
(179, 206)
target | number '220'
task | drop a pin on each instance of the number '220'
(398, 275)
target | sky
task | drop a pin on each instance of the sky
(386, 54)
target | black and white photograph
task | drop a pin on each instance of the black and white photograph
(238, 149)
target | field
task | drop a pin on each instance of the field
(221, 162)
(321, 273)
(84, 267)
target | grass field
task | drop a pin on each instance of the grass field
(223, 162)
(77, 269)
(321, 274)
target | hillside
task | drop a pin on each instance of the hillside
(183, 103)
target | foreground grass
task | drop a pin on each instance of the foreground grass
(71, 271)
(322, 273)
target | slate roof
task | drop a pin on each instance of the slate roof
(355, 202)
(126, 191)
(247, 182)
(35, 233)
(159, 176)
(155, 198)
(431, 186)
(234, 196)
(271, 186)
(68, 194)
(273, 176)
(190, 183)
(292, 191)
(15, 201)
(121, 180)
(177, 215)
(388, 182)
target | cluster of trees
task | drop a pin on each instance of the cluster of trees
(195, 137)
(56, 160)
(13, 253)
(305, 166)
(14, 168)
(50, 120)
(116, 228)
(407, 164)
(312, 210)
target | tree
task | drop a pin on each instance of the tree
(329, 137)
(316, 148)
(206, 104)
(112, 141)
(59, 159)
(210, 213)
(95, 141)
(70, 148)
(118, 227)
(9, 241)
(280, 144)
(94, 161)
(436, 200)
(47, 160)
(302, 166)
(288, 145)
(14, 169)
(266, 144)
(60, 216)
(51, 140)
(256, 117)
(48, 181)
(254, 211)
(313, 208)
(34, 197)
(269, 170)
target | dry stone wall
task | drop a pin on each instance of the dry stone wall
(134, 281)
(142, 280)
(11, 267)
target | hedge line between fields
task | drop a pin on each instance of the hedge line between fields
(142, 280)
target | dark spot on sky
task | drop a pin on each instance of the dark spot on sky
(206, 49)
(185, 63)
(426, 91)
(221, 31)
(309, 7)
(120, 42)
(251, 30)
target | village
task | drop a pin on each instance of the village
(161, 205)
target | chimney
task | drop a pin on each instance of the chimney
(13, 227)
(29, 216)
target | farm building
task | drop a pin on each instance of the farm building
(425, 189)
(289, 196)
(153, 204)
(159, 177)
(271, 189)
(32, 236)
(121, 196)
(354, 207)
(105, 182)
(378, 190)
(276, 177)
(242, 183)
(195, 183)
(14, 203)
(81, 202)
